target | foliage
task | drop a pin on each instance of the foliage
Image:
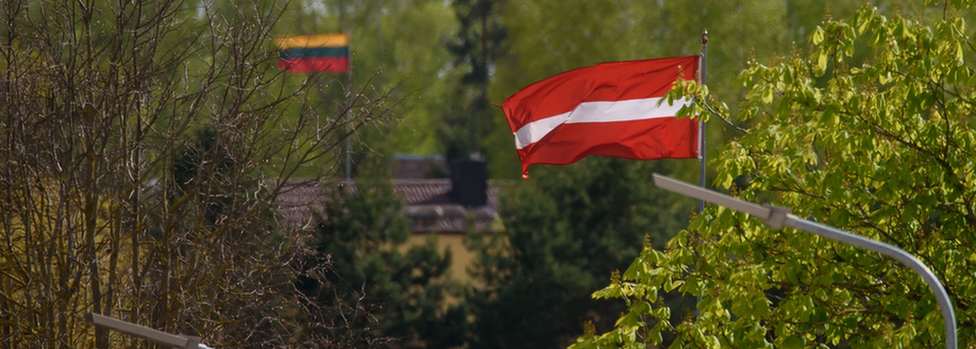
(564, 232)
(392, 293)
(880, 147)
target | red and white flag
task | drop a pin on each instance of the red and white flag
(610, 109)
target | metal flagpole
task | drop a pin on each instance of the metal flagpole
(701, 138)
(348, 110)
(701, 123)
(348, 89)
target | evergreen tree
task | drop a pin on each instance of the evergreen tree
(565, 232)
(479, 42)
(389, 293)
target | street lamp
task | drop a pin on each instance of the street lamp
(778, 217)
(167, 339)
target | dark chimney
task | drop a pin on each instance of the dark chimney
(469, 183)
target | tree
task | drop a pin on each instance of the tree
(144, 145)
(479, 42)
(395, 295)
(880, 147)
(564, 232)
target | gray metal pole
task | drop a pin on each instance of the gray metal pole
(778, 217)
(348, 89)
(167, 339)
(349, 119)
(701, 124)
(702, 75)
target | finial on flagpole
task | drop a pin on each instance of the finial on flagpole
(704, 38)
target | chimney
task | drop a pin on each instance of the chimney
(469, 183)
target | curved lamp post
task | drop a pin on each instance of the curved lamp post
(778, 217)
(167, 339)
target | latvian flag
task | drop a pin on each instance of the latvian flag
(314, 53)
(610, 109)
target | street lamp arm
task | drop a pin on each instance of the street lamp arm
(778, 217)
(714, 197)
(167, 339)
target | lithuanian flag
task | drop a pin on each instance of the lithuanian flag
(314, 53)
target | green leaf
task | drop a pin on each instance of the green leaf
(818, 36)
(821, 58)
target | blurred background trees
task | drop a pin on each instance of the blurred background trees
(144, 144)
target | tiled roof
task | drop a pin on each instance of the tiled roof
(418, 166)
(426, 202)
(297, 201)
(419, 190)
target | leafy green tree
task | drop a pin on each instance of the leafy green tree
(564, 233)
(385, 292)
(881, 147)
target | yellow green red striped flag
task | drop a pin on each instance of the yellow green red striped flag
(313, 53)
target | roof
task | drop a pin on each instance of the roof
(426, 203)
(419, 166)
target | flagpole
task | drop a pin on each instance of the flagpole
(348, 89)
(701, 123)
(701, 140)
(348, 112)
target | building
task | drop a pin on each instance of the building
(446, 208)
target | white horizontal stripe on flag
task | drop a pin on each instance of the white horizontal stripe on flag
(615, 111)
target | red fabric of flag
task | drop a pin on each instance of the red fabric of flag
(610, 109)
(315, 64)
